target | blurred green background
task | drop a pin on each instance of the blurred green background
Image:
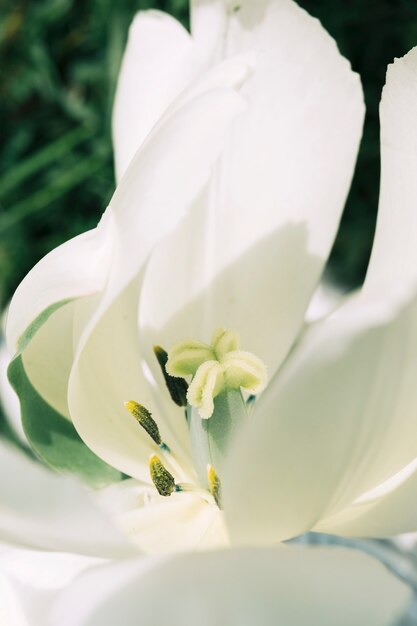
(58, 66)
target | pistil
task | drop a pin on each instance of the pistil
(215, 368)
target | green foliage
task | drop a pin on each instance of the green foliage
(59, 61)
(58, 65)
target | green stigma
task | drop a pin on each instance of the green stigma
(215, 367)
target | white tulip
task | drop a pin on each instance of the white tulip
(223, 217)
(234, 152)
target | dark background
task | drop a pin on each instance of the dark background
(58, 65)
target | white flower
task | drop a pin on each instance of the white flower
(225, 143)
(234, 152)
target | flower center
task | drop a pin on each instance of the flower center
(214, 405)
(215, 367)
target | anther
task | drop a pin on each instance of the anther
(177, 387)
(214, 484)
(161, 478)
(145, 419)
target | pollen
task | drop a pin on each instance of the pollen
(214, 484)
(145, 419)
(161, 478)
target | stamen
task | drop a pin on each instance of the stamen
(161, 478)
(177, 387)
(191, 488)
(145, 419)
(214, 484)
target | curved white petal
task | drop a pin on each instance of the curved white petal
(34, 579)
(44, 510)
(389, 513)
(325, 300)
(48, 357)
(152, 198)
(394, 255)
(159, 62)
(107, 374)
(161, 525)
(11, 610)
(266, 587)
(40, 318)
(76, 268)
(168, 172)
(338, 422)
(208, 23)
(259, 234)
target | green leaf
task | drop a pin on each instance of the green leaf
(43, 198)
(43, 158)
(53, 437)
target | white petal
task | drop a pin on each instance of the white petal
(260, 233)
(41, 314)
(107, 374)
(266, 587)
(11, 611)
(208, 24)
(45, 510)
(44, 570)
(389, 513)
(338, 422)
(157, 524)
(155, 194)
(35, 578)
(325, 300)
(77, 268)
(394, 255)
(159, 61)
(152, 198)
(48, 357)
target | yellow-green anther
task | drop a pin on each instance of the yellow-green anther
(185, 358)
(216, 368)
(161, 478)
(214, 484)
(145, 419)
